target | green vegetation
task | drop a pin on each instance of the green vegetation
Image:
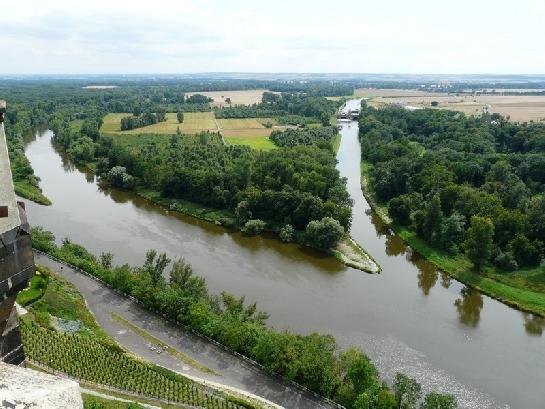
(20, 120)
(313, 360)
(323, 136)
(262, 143)
(36, 287)
(141, 120)
(88, 359)
(60, 333)
(96, 402)
(466, 192)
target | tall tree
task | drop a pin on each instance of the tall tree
(480, 241)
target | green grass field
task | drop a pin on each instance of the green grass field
(256, 142)
(194, 122)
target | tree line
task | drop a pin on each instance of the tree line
(310, 136)
(141, 120)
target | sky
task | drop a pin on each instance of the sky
(347, 36)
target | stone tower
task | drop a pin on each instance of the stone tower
(16, 259)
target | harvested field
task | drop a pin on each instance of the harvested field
(245, 123)
(194, 122)
(246, 97)
(247, 133)
(393, 93)
(520, 108)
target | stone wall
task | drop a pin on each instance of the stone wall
(16, 259)
(26, 388)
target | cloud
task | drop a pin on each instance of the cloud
(167, 36)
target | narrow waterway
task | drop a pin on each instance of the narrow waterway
(410, 318)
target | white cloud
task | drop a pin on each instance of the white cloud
(109, 36)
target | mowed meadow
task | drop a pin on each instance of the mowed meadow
(243, 97)
(194, 122)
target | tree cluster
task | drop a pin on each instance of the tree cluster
(472, 185)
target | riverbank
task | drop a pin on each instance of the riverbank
(347, 251)
(511, 288)
(31, 192)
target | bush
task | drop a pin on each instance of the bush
(286, 233)
(324, 234)
(118, 177)
(254, 227)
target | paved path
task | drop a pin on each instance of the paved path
(231, 370)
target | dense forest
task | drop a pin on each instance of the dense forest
(315, 361)
(469, 185)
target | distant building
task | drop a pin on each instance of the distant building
(16, 259)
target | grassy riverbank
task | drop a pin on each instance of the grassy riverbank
(517, 289)
(28, 191)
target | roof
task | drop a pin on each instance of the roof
(7, 193)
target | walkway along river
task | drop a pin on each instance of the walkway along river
(409, 318)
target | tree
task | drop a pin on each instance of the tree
(435, 400)
(324, 234)
(180, 117)
(480, 241)
(407, 391)
(524, 251)
(106, 260)
(155, 265)
(118, 177)
(452, 233)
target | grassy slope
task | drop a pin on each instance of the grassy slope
(30, 192)
(515, 289)
(62, 300)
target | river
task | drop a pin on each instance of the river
(410, 318)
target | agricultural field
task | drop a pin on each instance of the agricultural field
(262, 143)
(194, 122)
(248, 131)
(520, 108)
(245, 97)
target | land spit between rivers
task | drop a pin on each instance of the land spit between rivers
(412, 318)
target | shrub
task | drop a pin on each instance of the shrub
(286, 233)
(254, 227)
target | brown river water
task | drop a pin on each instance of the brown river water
(410, 318)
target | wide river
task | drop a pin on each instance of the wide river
(410, 318)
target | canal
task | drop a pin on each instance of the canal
(410, 318)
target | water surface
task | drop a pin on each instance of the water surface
(410, 318)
